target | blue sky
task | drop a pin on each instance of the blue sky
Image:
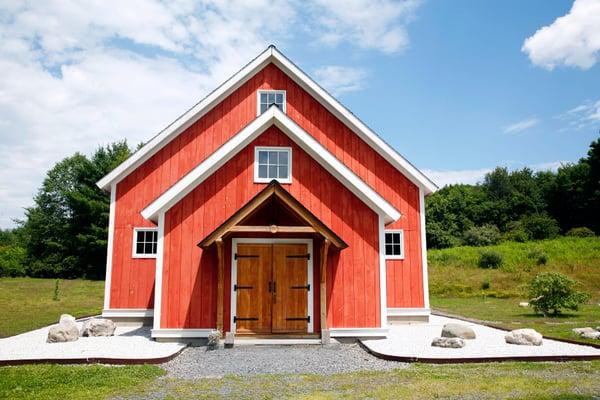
(458, 87)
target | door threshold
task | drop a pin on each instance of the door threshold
(244, 336)
(254, 341)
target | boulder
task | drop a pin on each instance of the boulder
(591, 335)
(582, 331)
(67, 319)
(449, 342)
(453, 330)
(525, 337)
(98, 327)
(65, 332)
(523, 304)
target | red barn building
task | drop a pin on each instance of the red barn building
(267, 208)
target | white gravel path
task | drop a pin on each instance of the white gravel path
(129, 342)
(415, 341)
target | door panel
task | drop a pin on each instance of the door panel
(290, 300)
(254, 302)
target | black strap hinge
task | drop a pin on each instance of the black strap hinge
(236, 319)
(236, 256)
(307, 319)
(236, 287)
(307, 287)
(307, 256)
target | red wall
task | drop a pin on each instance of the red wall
(133, 280)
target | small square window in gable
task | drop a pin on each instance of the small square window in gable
(268, 98)
(273, 163)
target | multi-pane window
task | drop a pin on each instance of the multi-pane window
(394, 244)
(266, 98)
(273, 163)
(144, 242)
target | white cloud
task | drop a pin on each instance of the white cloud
(572, 40)
(338, 79)
(77, 74)
(521, 125)
(584, 116)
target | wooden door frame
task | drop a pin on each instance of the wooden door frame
(310, 293)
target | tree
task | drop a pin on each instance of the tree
(553, 291)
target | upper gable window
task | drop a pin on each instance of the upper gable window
(273, 163)
(145, 242)
(266, 98)
(394, 244)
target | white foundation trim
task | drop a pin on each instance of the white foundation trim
(180, 333)
(424, 250)
(160, 246)
(382, 274)
(358, 332)
(109, 245)
(127, 312)
(310, 276)
(408, 312)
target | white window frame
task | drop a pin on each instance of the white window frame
(134, 253)
(402, 252)
(257, 149)
(259, 92)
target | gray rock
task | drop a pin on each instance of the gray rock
(582, 331)
(454, 330)
(66, 332)
(591, 335)
(450, 342)
(67, 319)
(525, 337)
(98, 327)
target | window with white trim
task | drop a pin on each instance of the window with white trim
(273, 163)
(394, 244)
(145, 241)
(267, 98)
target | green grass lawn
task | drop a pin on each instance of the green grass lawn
(27, 303)
(418, 381)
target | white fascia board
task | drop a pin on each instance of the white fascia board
(127, 312)
(408, 312)
(186, 120)
(352, 122)
(358, 332)
(273, 116)
(168, 333)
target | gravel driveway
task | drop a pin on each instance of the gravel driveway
(198, 362)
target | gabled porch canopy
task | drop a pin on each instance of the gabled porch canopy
(308, 222)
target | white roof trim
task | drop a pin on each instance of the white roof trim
(304, 140)
(273, 55)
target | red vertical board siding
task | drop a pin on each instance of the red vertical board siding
(133, 279)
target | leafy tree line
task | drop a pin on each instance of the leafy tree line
(65, 233)
(519, 205)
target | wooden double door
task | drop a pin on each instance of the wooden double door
(272, 288)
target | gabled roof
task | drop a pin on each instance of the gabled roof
(274, 190)
(270, 55)
(273, 116)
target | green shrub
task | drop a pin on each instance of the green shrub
(489, 259)
(12, 261)
(485, 285)
(553, 291)
(538, 255)
(484, 235)
(580, 232)
(439, 238)
(540, 226)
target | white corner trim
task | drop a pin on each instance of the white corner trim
(422, 227)
(402, 252)
(382, 274)
(310, 275)
(258, 93)
(408, 312)
(134, 253)
(270, 55)
(180, 333)
(276, 117)
(158, 275)
(358, 332)
(109, 245)
(127, 312)
(258, 149)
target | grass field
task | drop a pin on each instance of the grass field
(27, 303)
(418, 381)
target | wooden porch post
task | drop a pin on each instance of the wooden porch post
(323, 291)
(220, 283)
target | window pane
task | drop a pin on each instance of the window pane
(397, 238)
(154, 236)
(263, 108)
(262, 171)
(283, 158)
(283, 172)
(279, 98)
(388, 250)
(388, 238)
(263, 157)
(263, 98)
(154, 248)
(272, 171)
(139, 248)
(397, 250)
(148, 248)
(271, 98)
(140, 236)
(147, 236)
(273, 157)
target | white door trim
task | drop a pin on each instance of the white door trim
(310, 293)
